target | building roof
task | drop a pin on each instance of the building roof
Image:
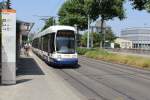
(25, 27)
(136, 28)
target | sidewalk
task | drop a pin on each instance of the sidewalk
(38, 81)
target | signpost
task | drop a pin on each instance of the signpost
(8, 46)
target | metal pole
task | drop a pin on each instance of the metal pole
(76, 37)
(92, 37)
(88, 36)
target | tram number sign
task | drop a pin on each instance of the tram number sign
(65, 33)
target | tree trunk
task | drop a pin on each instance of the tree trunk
(102, 30)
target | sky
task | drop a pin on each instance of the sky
(134, 18)
(29, 10)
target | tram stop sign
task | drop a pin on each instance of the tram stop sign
(8, 46)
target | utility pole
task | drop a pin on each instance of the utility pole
(88, 36)
(76, 34)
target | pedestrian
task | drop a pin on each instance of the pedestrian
(27, 48)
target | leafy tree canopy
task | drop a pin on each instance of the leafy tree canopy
(108, 9)
(72, 12)
(147, 6)
(139, 4)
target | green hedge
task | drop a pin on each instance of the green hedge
(82, 51)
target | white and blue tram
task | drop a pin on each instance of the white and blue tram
(57, 45)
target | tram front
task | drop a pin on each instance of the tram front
(66, 48)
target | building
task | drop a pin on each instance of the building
(124, 43)
(139, 36)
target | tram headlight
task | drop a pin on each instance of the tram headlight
(74, 56)
(59, 56)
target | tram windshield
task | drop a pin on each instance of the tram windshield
(65, 42)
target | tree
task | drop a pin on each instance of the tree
(71, 13)
(83, 40)
(49, 23)
(147, 6)
(76, 11)
(109, 35)
(139, 4)
(107, 9)
(8, 4)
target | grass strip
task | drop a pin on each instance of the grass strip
(140, 62)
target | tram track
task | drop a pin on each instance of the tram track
(118, 68)
(98, 81)
(98, 94)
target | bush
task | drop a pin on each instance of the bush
(81, 51)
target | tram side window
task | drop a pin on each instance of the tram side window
(40, 43)
(45, 43)
(51, 44)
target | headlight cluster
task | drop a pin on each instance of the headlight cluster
(59, 56)
(74, 56)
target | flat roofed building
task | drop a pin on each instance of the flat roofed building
(124, 43)
(139, 36)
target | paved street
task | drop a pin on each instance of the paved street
(98, 80)
(91, 80)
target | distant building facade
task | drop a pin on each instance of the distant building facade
(140, 37)
(124, 43)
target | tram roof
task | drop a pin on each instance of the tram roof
(53, 29)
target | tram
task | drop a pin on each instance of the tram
(56, 45)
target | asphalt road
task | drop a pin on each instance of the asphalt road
(98, 80)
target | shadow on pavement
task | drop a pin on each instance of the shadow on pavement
(65, 67)
(28, 66)
(22, 81)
